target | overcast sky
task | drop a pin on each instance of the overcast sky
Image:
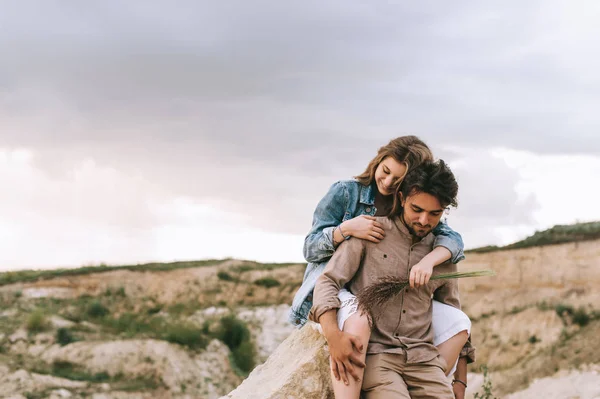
(155, 131)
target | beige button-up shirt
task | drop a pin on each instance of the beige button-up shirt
(405, 323)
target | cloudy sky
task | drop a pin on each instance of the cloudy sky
(155, 131)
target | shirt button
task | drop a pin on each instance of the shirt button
(368, 209)
(404, 311)
(309, 298)
(297, 321)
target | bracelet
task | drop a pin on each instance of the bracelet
(459, 381)
(340, 229)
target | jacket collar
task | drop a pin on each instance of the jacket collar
(367, 194)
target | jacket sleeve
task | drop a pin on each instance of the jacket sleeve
(318, 244)
(449, 239)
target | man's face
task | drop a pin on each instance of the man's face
(421, 213)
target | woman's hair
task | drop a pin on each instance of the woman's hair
(408, 149)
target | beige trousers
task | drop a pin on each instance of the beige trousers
(388, 376)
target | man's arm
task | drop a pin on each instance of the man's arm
(340, 269)
(344, 348)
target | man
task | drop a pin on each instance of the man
(401, 360)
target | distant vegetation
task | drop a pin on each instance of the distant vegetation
(558, 234)
(24, 276)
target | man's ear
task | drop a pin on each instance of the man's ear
(402, 200)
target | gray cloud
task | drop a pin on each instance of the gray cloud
(258, 106)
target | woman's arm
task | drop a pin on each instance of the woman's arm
(449, 239)
(319, 242)
(448, 245)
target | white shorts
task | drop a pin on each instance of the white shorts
(447, 321)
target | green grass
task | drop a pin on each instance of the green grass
(558, 234)
(250, 265)
(96, 310)
(37, 322)
(186, 335)
(73, 372)
(23, 276)
(76, 372)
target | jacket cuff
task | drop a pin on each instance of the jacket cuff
(450, 245)
(328, 239)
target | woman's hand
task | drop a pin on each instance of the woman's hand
(420, 273)
(364, 227)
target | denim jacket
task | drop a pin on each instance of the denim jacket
(345, 200)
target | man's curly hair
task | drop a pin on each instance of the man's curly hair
(433, 178)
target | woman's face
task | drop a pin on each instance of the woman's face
(389, 175)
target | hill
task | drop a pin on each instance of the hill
(558, 234)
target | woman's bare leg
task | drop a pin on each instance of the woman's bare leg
(358, 325)
(450, 349)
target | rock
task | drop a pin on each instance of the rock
(22, 381)
(59, 322)
(44, 339)
(60, 393)
(206, 375)
(9, 313)
(298, 369)
(48, 292)
(269, 327)
(89, 326)
(19, 335)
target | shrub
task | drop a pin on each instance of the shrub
(186, 335)
(96, 310)
(534, 339)
(233, 332)
(244, 355)
(267, 282)
(487, 386)
(225, 276)
(64, 336)
(561, 309)
(37, 321)
(581, 317)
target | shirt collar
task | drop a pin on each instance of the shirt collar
(404, 230)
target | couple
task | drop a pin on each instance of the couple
(386, 222)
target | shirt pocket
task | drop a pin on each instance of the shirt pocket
(382, 264)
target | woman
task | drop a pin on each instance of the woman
(347, 211)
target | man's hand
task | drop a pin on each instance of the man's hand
(420, 273)
(459, 390)
(345, 352)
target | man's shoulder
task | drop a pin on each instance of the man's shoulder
(385, 221)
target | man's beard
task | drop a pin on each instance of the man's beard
(419, 234)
